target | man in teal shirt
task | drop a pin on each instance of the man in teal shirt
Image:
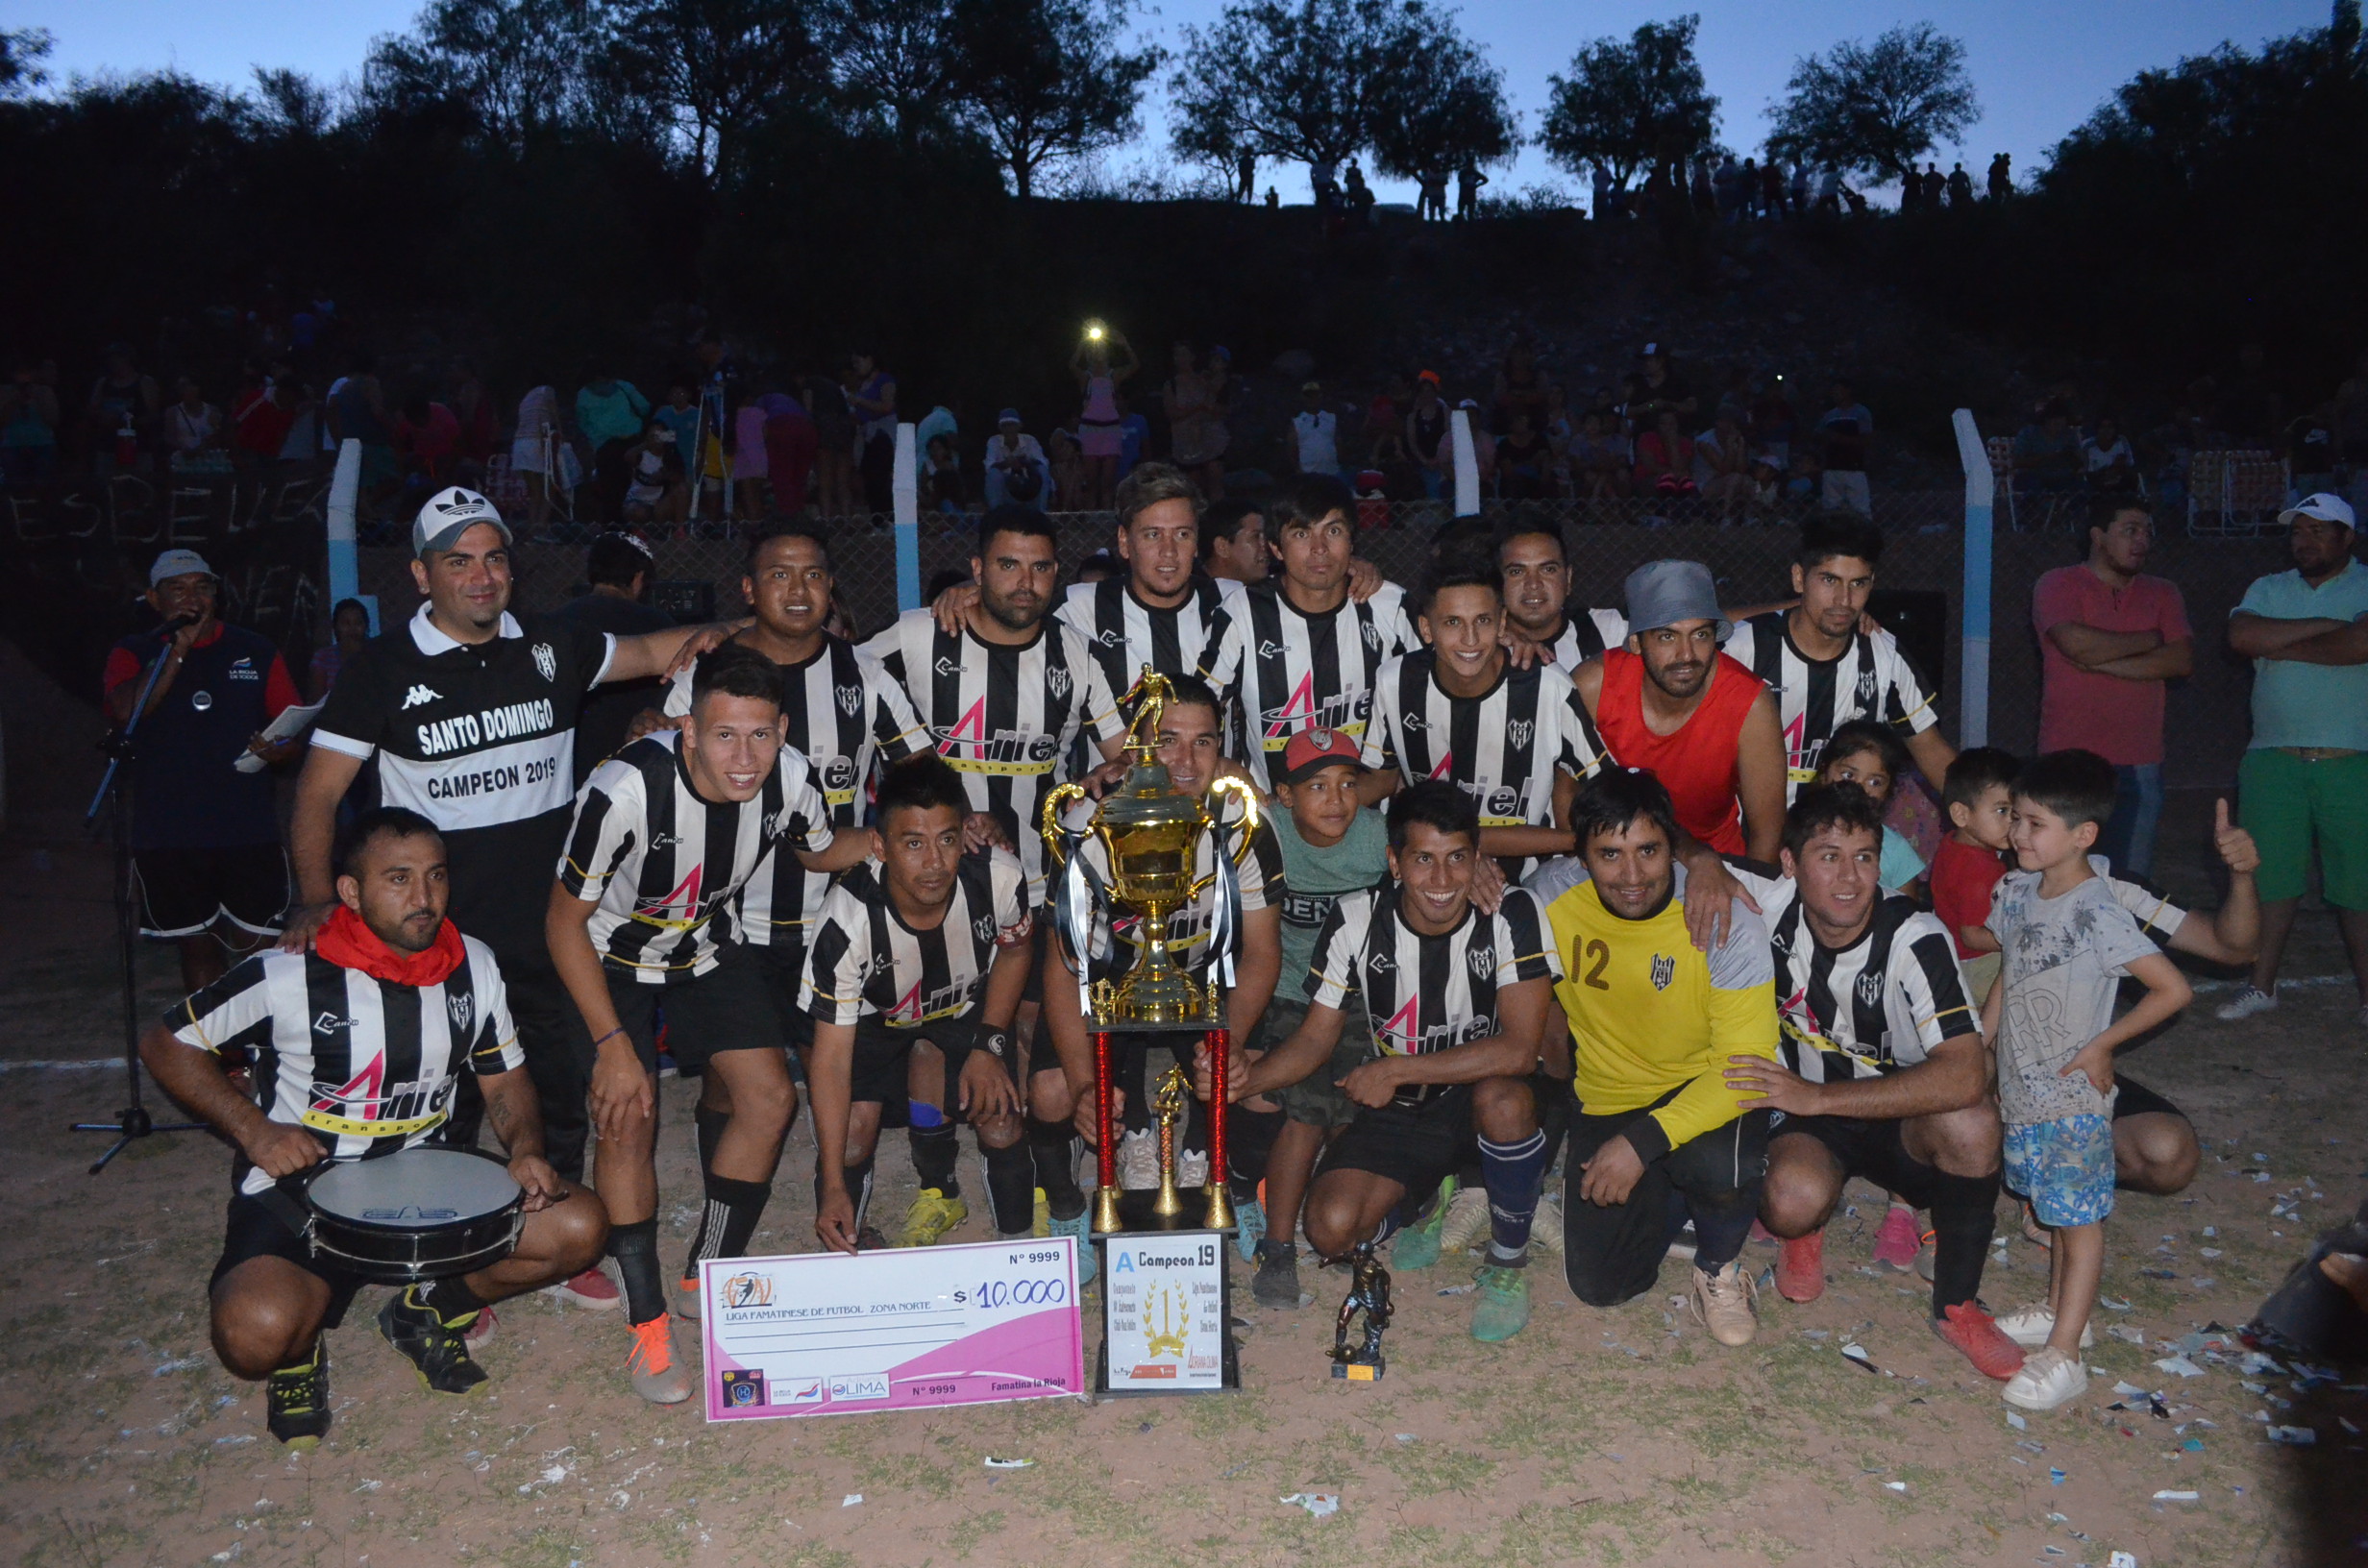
(610, 414)
(2306, 776)
(1330, 847)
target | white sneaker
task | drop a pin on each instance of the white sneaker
(1192, 1170)
(1545, 1230)
(2248, 1001)
(1139, 1160)
(1724, 1303)
(2049, 1377)
(1467, 1225)
(2031, 1326)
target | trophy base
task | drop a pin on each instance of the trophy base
(1360, 1371)
(1138, 1219)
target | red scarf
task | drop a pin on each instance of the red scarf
(350, 944)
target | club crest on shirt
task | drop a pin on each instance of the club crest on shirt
(461, 1006)
(1665, 970)
(1056, 681)
(851, 699)
(1482, 960)
(983, 928)
(1867, 686)
(1370, 633)
(1869, 988)
(1518, 732)
(546, 661)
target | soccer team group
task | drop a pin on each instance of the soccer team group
(1609, 885)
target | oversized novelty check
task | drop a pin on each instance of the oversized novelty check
(823, 1333)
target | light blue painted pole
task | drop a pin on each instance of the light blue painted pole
(1466, 464)
(906, 490)
(1973, 706)
(344, 492)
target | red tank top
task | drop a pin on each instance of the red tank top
(1696, 763)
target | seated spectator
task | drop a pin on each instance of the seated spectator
(1315, 433)
(1070, 478)
(1558, 433)
(1664, 458)
(123, 398)
(657, 497)
(1599, 458)
(1847, 430)
(610, 415)
(28, 426)
(1805, 484)
(191, 424)
(942, 488)
(1722, 457)
(2105, 458)
(2047, 454)
(1775, 425)
(1521, 459)
(1016, 468)
(2311, 450)
(264, 414)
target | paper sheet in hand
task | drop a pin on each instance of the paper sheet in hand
(823, 1333)
(291, 722)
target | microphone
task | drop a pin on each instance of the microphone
(178, 622)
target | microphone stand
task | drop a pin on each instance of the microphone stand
(133, 1122)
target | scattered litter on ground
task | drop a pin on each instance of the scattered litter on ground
(994, 1463)
(1318, 1504)
(1856, 1353)
(2179, 1366)
(2294, 1436)
(2177, 1497)
(850, 1500)
(2054, 1476)
(2017, 1422)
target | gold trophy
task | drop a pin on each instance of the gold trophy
(1150, 831)
(1170, 1103)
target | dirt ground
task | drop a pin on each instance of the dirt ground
(1622, 1436)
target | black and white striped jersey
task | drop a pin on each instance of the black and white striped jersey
(478, 738)
(1586, 635)
(1281, 670)
(1259, 871)
(1425, 993)
(1503, 747)
(661, 862)
(864, 961)
(1871, 678)
(1886, 1001)
(1002, 715)
(843, 713)
(366, 1065)
(1124, 634)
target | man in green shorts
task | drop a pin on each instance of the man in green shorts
(2306, 776)
(1330, 847)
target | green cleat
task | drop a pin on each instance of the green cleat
(1503, 1308)
(1080, 1227)
(1417, 1245)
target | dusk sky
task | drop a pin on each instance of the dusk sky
(2041, 66)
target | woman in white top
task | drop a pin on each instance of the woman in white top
(534, 453)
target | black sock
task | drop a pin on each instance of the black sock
(709, 1125)
(858, 1179)
(1052, 1145)
(1011, 1187)
(934, 1153)
(728, 1220)
(1250, 1142)
(1721, 1225)
(450, 1298)
(1964, 1213)
(634, 1248)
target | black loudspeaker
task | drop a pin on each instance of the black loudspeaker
(691, 602)
(1919, 618)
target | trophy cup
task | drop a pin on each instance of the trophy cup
(1149, 830)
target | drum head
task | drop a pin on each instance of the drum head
(414, 1189)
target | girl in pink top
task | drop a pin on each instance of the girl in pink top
(1099, 438)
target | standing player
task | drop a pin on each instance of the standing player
(1516, 741)
(1824, 669)
(1302, 653)
(1163, 613)
(1458, 1003)
(1703, 725)
(931, 946)
(1655, 1020)
(471, 713)
(667, 832)
(1002, 697)
(359, 1045)
(1537, 575)
(1883, 1074)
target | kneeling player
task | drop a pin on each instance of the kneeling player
(359, 1045)
(1457, 1001)
(667, 832)
(1883, 1073)
(933, 945)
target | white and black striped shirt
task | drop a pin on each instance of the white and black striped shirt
(843, 714)
(1425, 993)
(1282, 670)
(1587, 634)
(1503, 747)
(367, 1066)
(1888, 1001)
(660, 862)
(1259, 871)
(1124, 634)
(1870, 679)
(1003, 715)
(865, 961)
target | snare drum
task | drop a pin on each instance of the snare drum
(416, 1214)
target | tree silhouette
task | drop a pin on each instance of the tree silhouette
(1045, 80)
(1633, 105)
(1875, 109)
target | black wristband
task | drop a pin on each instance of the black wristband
(996, 1044)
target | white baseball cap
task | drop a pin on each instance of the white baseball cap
(2326, 507)
(182, 563)
(450, 513)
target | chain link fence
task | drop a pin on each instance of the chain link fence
(1921, 587)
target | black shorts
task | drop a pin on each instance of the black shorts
(782, 969)
(878, 1075)
(1415, 1146)
(256, 1229)
(1868, 1148)
(726, 1009)
(1035, 989)
(1612, 1254)
(183, 892)
(2135, 1099)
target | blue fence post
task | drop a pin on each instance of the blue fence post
(1973, 703)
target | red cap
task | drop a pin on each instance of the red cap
(1312, 751)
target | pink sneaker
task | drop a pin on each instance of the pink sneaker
(1895, 1244)
(480, 1333)
(592, 1289)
